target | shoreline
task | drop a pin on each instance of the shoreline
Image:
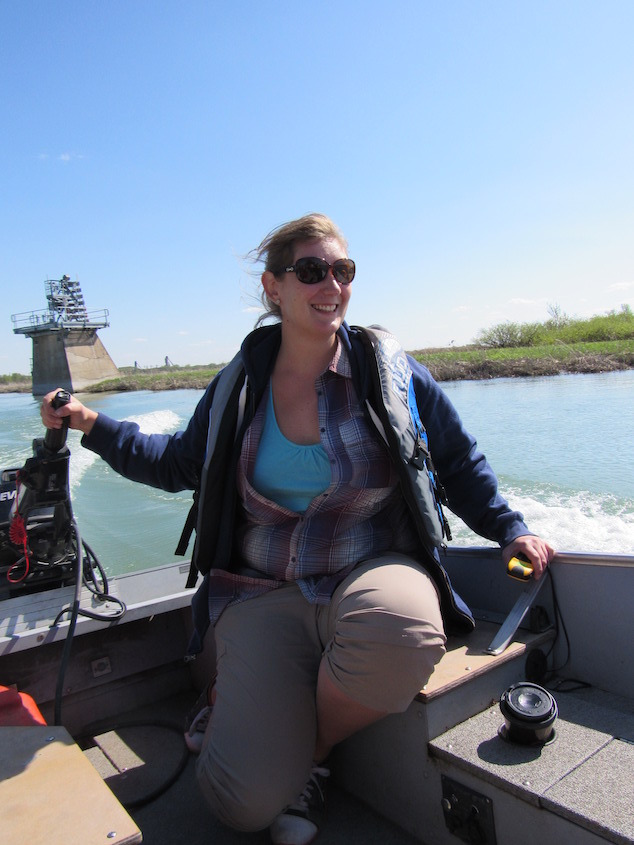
(490, 368)
(460, 364)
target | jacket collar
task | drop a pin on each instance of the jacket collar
(260, 347)
(258, 352)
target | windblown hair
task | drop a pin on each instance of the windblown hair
(277, 250)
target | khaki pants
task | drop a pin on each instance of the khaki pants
(380, 638)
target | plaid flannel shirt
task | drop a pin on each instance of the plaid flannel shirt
(360, 515)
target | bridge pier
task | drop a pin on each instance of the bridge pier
(70, 359)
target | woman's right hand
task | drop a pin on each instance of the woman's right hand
(79, 416)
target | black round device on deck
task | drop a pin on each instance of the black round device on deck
(529, 714)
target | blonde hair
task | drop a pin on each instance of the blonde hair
(277, 250)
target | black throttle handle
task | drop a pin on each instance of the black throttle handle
(55, 438)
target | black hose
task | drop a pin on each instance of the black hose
(59, 690)
(76, 610)
(172, 777)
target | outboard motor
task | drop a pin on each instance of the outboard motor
(40, 544)
(38, 549)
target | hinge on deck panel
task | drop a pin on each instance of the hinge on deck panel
(468, 815)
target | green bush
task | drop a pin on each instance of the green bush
(14, 378)
(615, 325)
(509, 335)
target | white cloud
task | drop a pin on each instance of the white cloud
(520, 301)
(66, 157)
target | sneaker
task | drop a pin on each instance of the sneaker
(300, 822)
(197, 720)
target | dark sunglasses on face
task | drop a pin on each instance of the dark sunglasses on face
(310, 271)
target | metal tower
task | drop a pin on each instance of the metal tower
(67, 352)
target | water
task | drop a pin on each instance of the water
(563, 449)
(129, 526)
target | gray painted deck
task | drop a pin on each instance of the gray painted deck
(584, 776)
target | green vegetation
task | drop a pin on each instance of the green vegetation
(560, 329)
(15, 383)
(472, 362)
(560, 345)
(14, 378)
(158, 378)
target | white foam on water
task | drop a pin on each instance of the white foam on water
(157, 422)
(571, 522)
(581, 522)
(81, 460)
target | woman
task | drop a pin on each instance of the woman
(321, 582)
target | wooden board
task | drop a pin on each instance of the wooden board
(50, 794)
(466, 658)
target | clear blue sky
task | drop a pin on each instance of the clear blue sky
(479, 156)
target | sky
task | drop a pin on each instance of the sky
(477, 154)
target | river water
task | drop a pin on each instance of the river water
(562, 446)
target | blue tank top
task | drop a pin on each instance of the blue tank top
(289, 473)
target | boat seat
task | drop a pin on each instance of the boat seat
(50, 794)
(466, 661)
(466, 658)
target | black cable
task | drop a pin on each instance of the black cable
(94, 563)
(76, 610)
(89, 564)
(559, 620)
(562, 684)
(59, 690)
(90, 732)
(92, 614)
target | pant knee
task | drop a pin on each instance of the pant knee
(246, 814)
(385, 633)
(239, 803)
(381, 676)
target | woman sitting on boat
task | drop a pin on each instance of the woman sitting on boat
(318, 529)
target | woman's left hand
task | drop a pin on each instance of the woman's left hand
(538, 552)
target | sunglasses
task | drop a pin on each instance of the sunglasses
(310, 271)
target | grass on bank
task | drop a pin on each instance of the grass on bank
(158, 378)
(561, 344)
(474, 362)
(14, 378)
(560, 328)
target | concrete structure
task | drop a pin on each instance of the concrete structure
(67, 352)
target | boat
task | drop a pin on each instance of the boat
(524, 733)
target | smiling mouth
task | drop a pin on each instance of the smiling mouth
(326, 308)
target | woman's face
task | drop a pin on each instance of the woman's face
(314, 310)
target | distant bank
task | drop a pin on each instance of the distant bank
(478, 363)
(446, 364)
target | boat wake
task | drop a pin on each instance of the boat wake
(81, 460)
(568, 520)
